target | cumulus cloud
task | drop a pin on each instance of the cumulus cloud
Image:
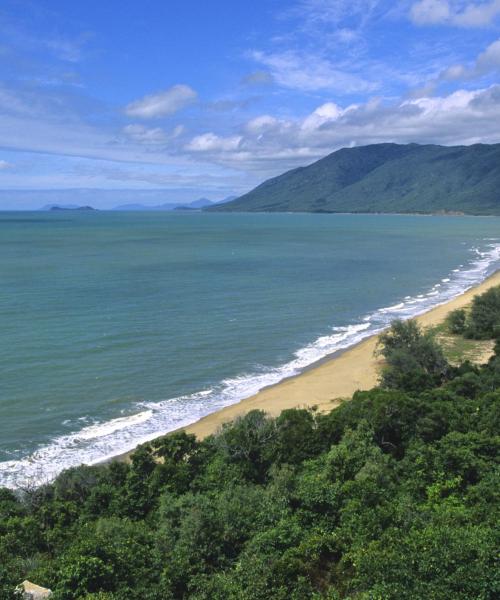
(454, 12)
(4, 165)
(163, 103)
(209, 142)
(268, 145)
(487, 62)
(262, 123)
(490, 58)
(325, 113)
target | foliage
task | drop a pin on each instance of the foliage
(484, 318)
(482, 322)
(456, 321)
(413, 358)
(394, 494)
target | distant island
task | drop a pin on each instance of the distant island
(81, 208)
(83, 199)
(385, 178)
(199, 204)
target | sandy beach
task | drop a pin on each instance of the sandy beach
(332, 380)
(325, 384)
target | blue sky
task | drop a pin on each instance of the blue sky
(183, 99)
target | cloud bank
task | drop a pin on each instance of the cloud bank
(268, 144)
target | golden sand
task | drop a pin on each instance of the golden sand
(326, 384)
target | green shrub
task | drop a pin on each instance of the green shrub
(414, 360)
(456, 321)
(484, 319)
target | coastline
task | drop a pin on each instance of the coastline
(326, 383)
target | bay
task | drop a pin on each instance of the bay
(116, 327)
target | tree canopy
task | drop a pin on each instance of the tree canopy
(394, 494)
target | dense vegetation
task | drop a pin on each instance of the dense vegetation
(386, 178)
(395, 494)
(482, 322)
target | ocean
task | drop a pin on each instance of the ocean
(118, 327)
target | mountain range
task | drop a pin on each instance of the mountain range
(385, 178)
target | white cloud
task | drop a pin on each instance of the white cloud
(209, 142)
(454, 12)
(453, 73)
(189, 178)
(487, 62)
(262, 123)
(329, 24)
(438, 106)
(323, 114)
(48, 122)
(490, 58)
(163, 103)
(69, 50)
(337, 20)
(307, 72)
(269, 145)
(430, 12)
(151, 135)
(4, 165)
(177, 131)
(333, 11)
(145, 135)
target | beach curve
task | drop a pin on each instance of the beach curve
(327, 383)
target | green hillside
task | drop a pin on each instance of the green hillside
(385, 178)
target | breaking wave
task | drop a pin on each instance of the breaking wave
(100, 441)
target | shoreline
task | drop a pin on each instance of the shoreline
(308, 212)
(327, 382)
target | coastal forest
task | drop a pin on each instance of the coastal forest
(385, 178)
(392, 495)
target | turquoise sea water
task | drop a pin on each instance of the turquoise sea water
(116, 327)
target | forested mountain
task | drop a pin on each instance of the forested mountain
(387, 178)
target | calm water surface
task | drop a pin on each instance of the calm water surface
(118, 326)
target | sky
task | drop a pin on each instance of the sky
(173, 100)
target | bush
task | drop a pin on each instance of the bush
(456, 321)
(484, 319)
(414, 360)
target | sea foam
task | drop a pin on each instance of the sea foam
(100, 441)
